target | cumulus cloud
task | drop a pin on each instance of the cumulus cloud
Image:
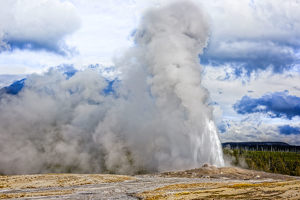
(227, 90)
(158, 117)
(248, 56)
(254, 35)
(37, 24)
(278, 104)
(252, 130)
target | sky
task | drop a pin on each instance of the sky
(251, 65)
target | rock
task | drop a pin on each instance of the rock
(205, 165)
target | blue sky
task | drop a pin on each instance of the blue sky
(251, 64)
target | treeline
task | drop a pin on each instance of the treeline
(262, 146)
(268, 161)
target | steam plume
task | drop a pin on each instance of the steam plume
(157, 118)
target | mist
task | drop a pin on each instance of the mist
(156, 118)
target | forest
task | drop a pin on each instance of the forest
(282, 162)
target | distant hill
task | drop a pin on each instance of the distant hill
(262, 146)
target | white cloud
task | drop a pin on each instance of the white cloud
(226, 90)
(37, 24)
(6, 79)
(104, 32)
(253, 129)
(255, 19)
(255, 34)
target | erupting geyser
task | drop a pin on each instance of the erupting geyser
(157, 118)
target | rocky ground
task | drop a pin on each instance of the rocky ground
(207, 182)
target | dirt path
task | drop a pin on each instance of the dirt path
(203, 183)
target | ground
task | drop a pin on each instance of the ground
(207, 182)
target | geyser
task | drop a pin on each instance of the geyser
(156, 119)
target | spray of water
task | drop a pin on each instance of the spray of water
(156, 119)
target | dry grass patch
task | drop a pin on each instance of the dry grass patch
(57, 180)
(241, 190)
(35, 194)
